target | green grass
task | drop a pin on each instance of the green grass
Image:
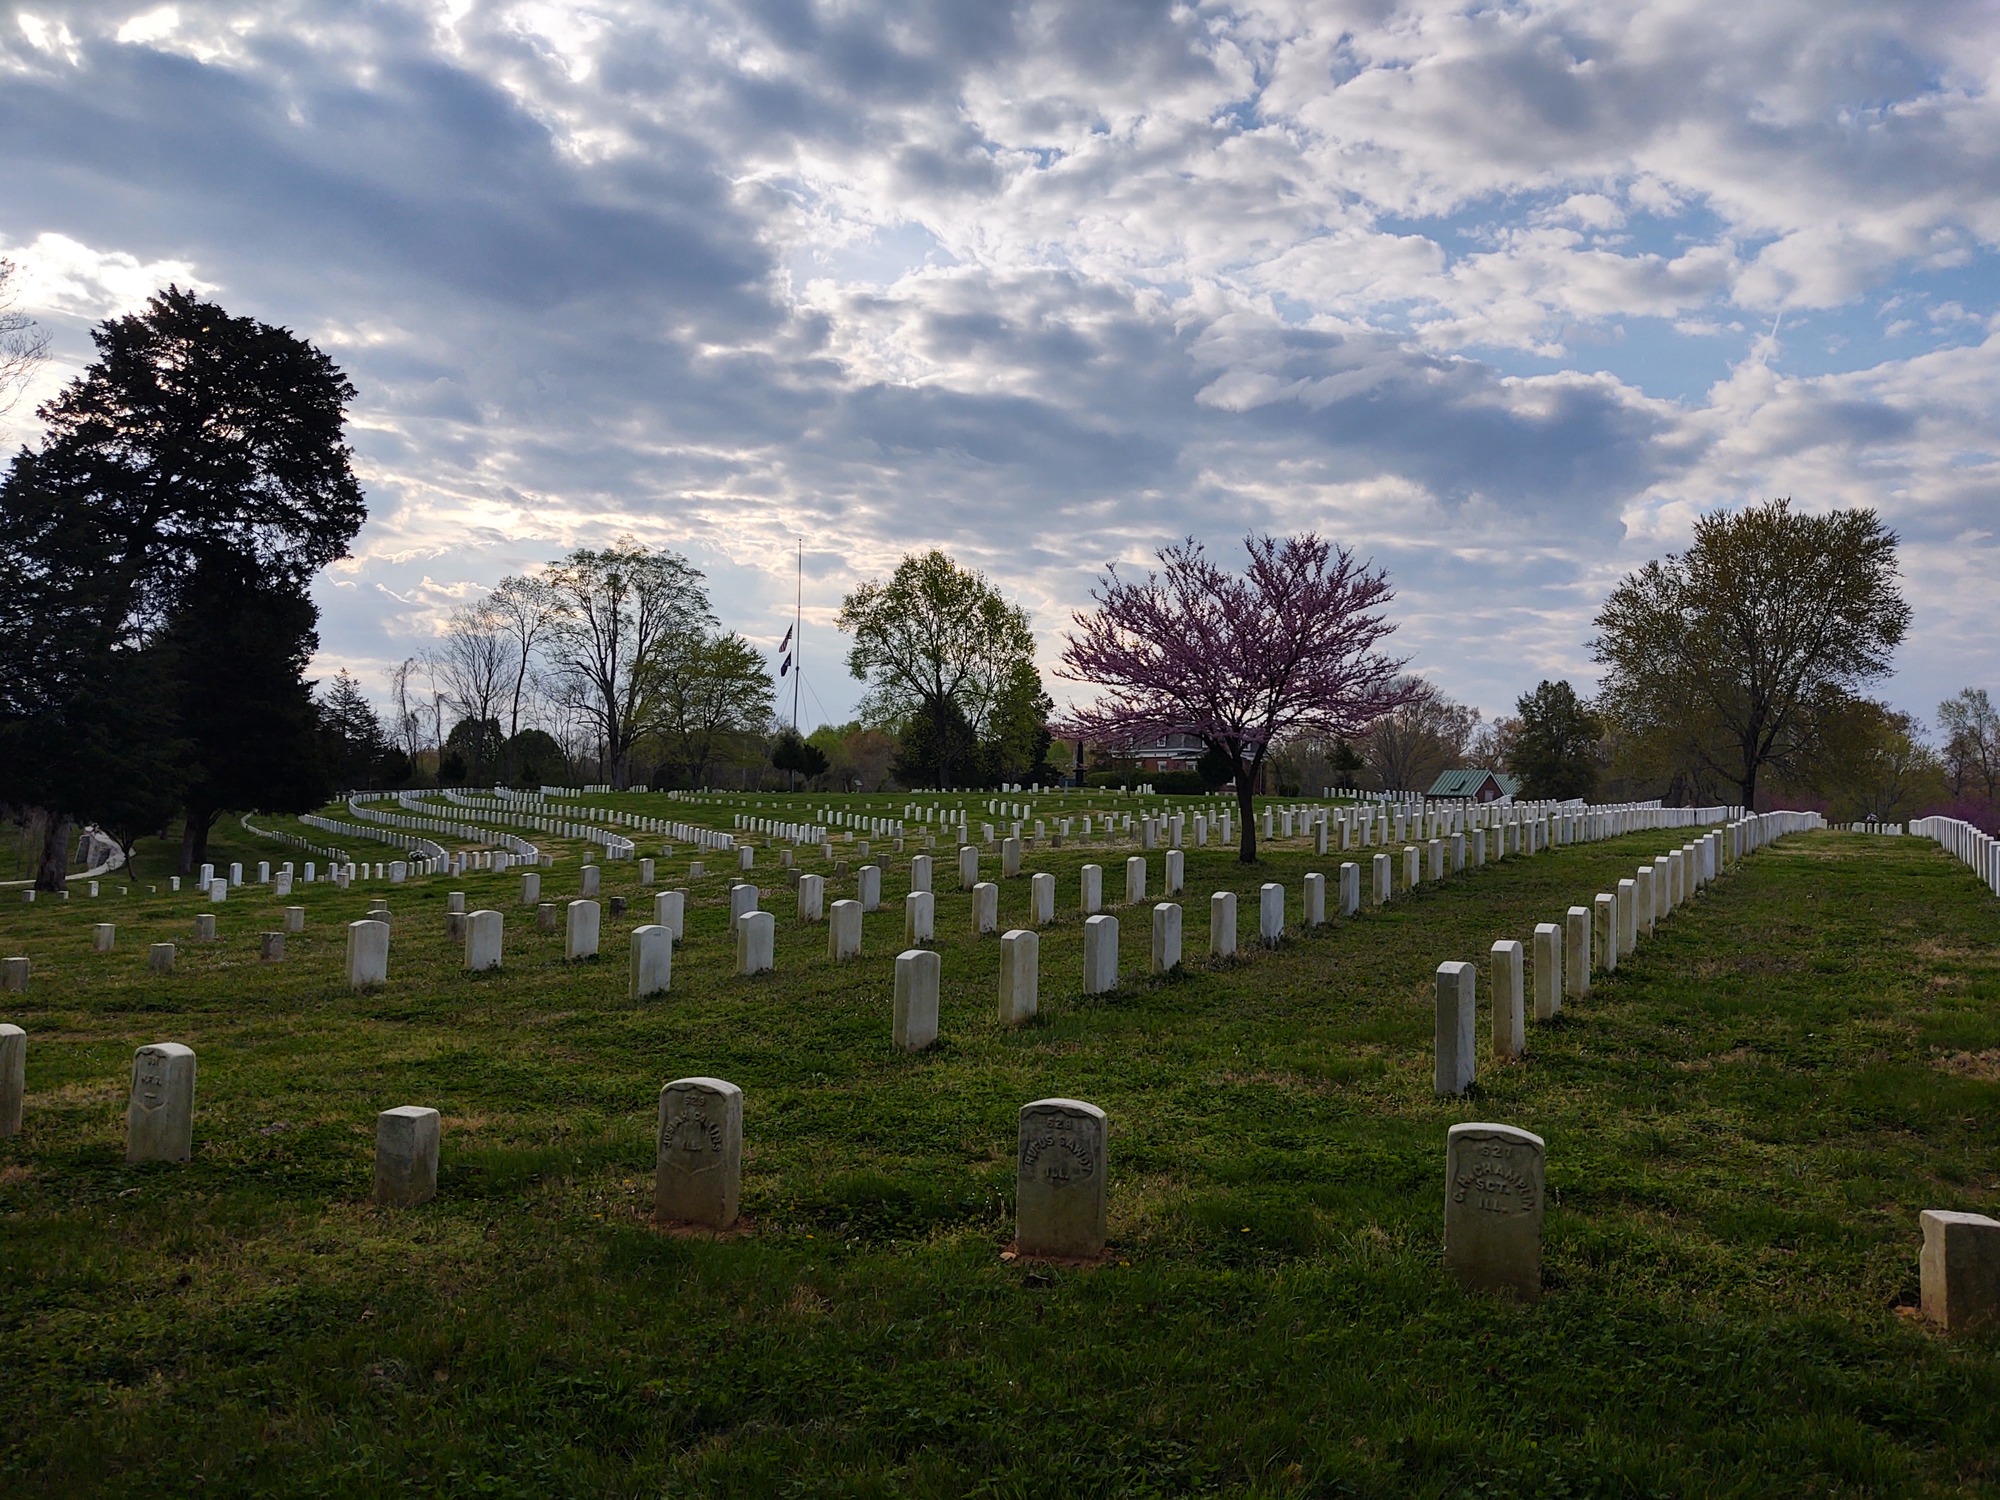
(1743, 1123)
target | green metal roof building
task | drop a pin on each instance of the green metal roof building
(1476, 784)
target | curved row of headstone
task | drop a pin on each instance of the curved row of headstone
(294, 841)
(425, 854)
(1977, 850)
(419, 814)
(529, 810)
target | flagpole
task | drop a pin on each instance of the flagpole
(799, 650)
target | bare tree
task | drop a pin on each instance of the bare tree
(528, 610)
(475, 663)
(1970, 727)
(1407, 747)
(620, 605)
(23, 344)
(408, 695)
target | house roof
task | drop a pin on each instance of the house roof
(1467, 780)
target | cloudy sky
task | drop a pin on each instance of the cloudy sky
(1501, 295)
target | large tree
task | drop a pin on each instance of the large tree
(1555, 743)
(702, 691)
(526, 609)
(945, 657)
(1287, 646)
(198, 446)
(617, 607)
(250, 728)
(475, 664)
(1428, 732)
(1729, 653)
(358, 751)
(1970, 727)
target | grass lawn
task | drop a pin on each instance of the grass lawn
(1743, 1123)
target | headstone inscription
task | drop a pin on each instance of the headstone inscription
(1062, 1168)
(698, 1174)
(1493, 1209)
(159, 1121)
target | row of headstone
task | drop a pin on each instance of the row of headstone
(1978, 850)
(1495, 1178)
(1565, 957)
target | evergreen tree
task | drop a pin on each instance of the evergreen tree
(1555, 748)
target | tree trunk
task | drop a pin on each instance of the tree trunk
(52, 869)
(1246, 781)
(194, 838)
(1746, 786)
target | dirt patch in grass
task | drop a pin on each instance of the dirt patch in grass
(1717, 1059)
(1984, 1066)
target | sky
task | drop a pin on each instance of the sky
(1501, 296)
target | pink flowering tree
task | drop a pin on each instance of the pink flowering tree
(1288, 646)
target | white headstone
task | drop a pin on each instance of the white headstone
(915, 1022)
(1174, 883)
(1020, 975)
(1350, 889)
(484, 931)
(589, 881)
(1548, 971)
(1060, 1197)
(160, 958)
(652, 960)
(1456, 1031)
(756, 943)
(1576, 952)
(13, 1078)
(103, 936)
(1959, 1270)
(843, 931)
(1270, 914)
(920, 917)
(1092, 886)
(1166, 937)
(1222, 924)
(1100, 954)
(1313, 907)
(812, 898)
(699, 1173)
(367, 954)
(985, 907)
(1510, 1029)
(581, 930)
(159, 1121)
(1605, 937)
(1135, 880)
(1493, 1209)
(968, 867)
(869, 882)
(406, 1152)
(1041, 900)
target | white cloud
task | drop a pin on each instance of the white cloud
(1052, 284)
